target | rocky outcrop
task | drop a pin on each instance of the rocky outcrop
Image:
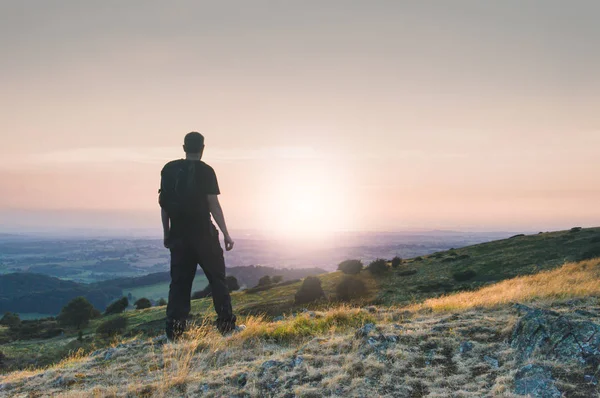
(543, 335)
(549, 335)
(536, 381)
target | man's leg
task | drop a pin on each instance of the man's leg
(183, 270)
(213, 263)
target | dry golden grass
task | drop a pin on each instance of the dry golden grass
(571, 280)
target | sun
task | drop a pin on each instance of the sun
(305, 204)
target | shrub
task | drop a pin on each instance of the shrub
(117, 307)
(418, 259)
(396, 261)
(277, 278)
(350, 267)
(161, 302)
(2, 358)
(232, 283)
(516, 236)
(463, 257)
(142, 303)
(309, 291)
(595, 239)
(76, 313)
(408, 272)
(449, 259)
(10, 319)
(112, 327)
(575, 229)
(589, 254)
(378, 267)
(265, 281)
(350, 288)
(465, 275)
(206, 292)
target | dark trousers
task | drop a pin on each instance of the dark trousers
(186, 254)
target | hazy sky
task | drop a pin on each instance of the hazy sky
(317, 114)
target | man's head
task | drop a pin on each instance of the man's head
(193, 143)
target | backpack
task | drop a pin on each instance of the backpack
(179, 194)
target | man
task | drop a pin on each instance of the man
(188, 197)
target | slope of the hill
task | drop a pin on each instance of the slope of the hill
(413, 282)
(474, 266)
(491, 347)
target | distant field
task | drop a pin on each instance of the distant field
(161, 290)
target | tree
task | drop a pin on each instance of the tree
(232, 283)
(310, 290)
(350, 287)
(161, 302)
(10, 319)
(142, 303)
(378, 267)
(350, 267)
(396, 261)
(76, 313)
(265, 281)
(277, 278)
(117, 307)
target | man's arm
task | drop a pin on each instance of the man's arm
(217, 212)
(166, 226)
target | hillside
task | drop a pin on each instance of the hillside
(37, 293)
(414, 334)
(26, 292)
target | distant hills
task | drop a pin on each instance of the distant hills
(26, 292)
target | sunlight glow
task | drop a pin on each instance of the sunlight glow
(306, 204)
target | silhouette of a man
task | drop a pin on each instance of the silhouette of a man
(188, 197)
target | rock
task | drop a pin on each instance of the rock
(466, 346)
(270, 364)
(391, 338)
(242, 379)
(549, 335)
(203, 388)
(536, 381)
(64, 381)
(278, 319)
(398, 327)
(109, 353)
(297, 361)
(372, 309)
(493, 362)
(365, 330)
(160, 340)
(4, 386)
(590, 379)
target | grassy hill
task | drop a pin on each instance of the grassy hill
(424, 311)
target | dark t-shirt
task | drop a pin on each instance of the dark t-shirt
(206, 182)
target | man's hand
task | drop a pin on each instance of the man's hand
(228, 243)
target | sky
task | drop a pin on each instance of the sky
(318, 115)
